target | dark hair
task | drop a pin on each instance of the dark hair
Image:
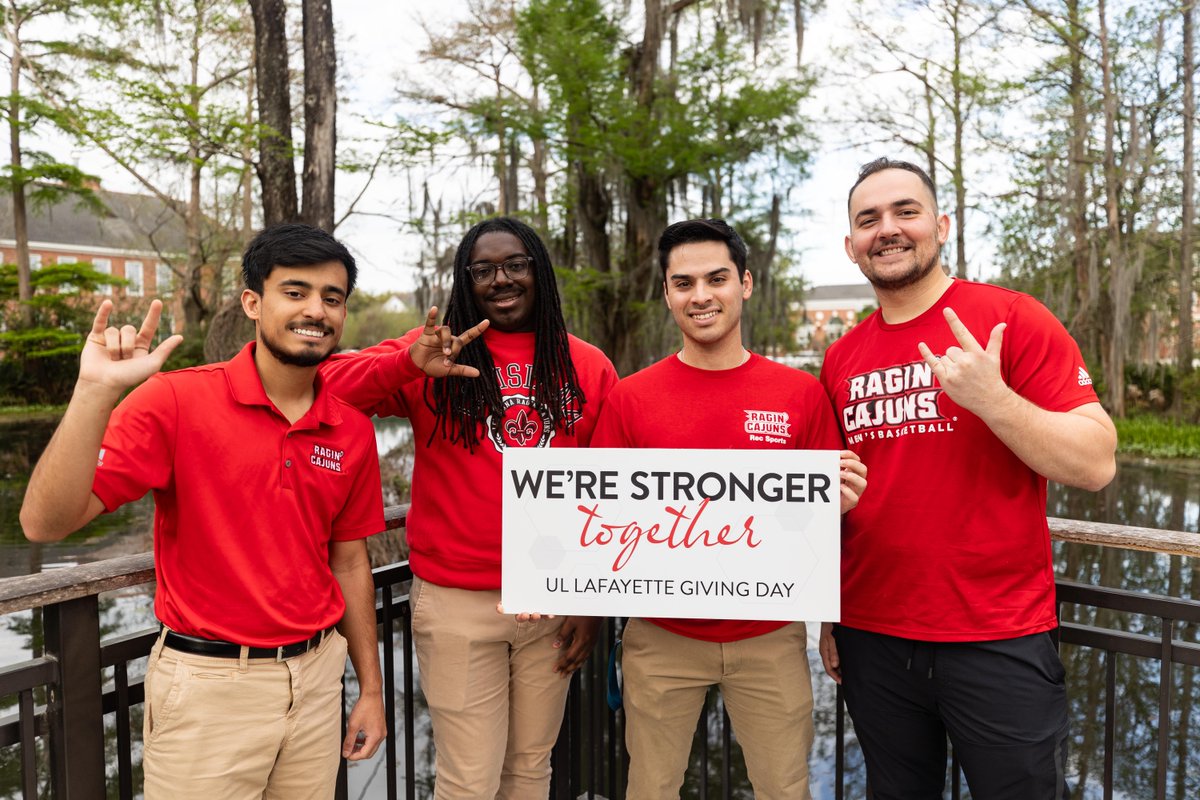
(880, 164)
(702, 230)
(293, 244)
(460, 404)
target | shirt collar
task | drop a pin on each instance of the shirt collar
(247, 389)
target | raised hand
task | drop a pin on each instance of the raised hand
(436, 348)
(120, 358)
(853, 479)
(970, 373)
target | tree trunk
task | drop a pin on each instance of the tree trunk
(1119, 284)
(1187, 258)
(960, 186)
(194, 311)
(1083, 323)
(320, 113)
(20, 215)
(276, 170)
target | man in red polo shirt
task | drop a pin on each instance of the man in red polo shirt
(265, 488)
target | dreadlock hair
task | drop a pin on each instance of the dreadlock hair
(461, 404)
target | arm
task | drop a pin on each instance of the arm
(368, 378)
(59, 498)
(352, 570)
(1075, 448)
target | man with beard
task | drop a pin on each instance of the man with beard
(265, 487)
(495, 685)
(948, 584)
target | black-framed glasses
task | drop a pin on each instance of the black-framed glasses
(484, 272)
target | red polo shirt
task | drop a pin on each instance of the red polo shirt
(245, 502)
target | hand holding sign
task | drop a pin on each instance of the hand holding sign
(970, 374)
(853, 479)
(436, 348)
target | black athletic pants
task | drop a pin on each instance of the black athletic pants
(1002, 703)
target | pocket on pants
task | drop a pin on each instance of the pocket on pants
(164, 684)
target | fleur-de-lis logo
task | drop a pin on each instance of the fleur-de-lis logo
(521, 428)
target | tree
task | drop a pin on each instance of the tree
(931, 64)
(276, 170)
(35, 175)
(177, 121)
(619, 124)
(1187, 258)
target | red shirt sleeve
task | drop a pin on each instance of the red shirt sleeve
(1040, 360)
(362, 514)
(371, 379)
(138, 450)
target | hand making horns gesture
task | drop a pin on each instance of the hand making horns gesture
(970, 374)
(121, 358)
(436, 348)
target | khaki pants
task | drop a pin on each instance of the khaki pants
(494, 698)
(767, 690)
(249, 729)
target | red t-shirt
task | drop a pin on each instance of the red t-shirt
(673, 405)
(245, 503)
(454, 521)
(949, 542)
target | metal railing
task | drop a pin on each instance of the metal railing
(62, 697)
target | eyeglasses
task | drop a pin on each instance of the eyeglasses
(515, 268)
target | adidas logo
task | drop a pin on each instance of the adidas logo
(1084, 378)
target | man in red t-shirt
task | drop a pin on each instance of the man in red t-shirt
(265, 487)
(947, 581)
(494, 684)
(699, 398)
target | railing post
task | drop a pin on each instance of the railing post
(76, 710)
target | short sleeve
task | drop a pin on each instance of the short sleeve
(138, 450)
(362, 515)
(1041, 361)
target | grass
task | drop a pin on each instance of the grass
(1157, 437)
(11, 415)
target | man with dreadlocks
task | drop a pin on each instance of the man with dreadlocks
(514, 377)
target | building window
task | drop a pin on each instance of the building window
(35, 260)
(163, 278)
(103, 265)
(135, 274)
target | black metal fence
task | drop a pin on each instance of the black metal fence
(57, 733)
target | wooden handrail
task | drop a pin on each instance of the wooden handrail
(55, 586)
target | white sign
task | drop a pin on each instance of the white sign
(706, 534)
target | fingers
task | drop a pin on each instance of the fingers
(577, 636)
(829, 654)
(968, 342)
(525, 616)
(430, 321)
(928, 355)
(101, 321)
(996, 340)
(165, 348)
(145, 335)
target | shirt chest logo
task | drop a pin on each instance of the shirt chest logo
(326, 458)
(768, 426)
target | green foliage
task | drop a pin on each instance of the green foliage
(1156, 437)
(369, 322)
(38, 363)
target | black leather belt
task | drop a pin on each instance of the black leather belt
(218, 649)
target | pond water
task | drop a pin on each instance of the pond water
(1148, 493)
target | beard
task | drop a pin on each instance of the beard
(914, 275)
(304, 358)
